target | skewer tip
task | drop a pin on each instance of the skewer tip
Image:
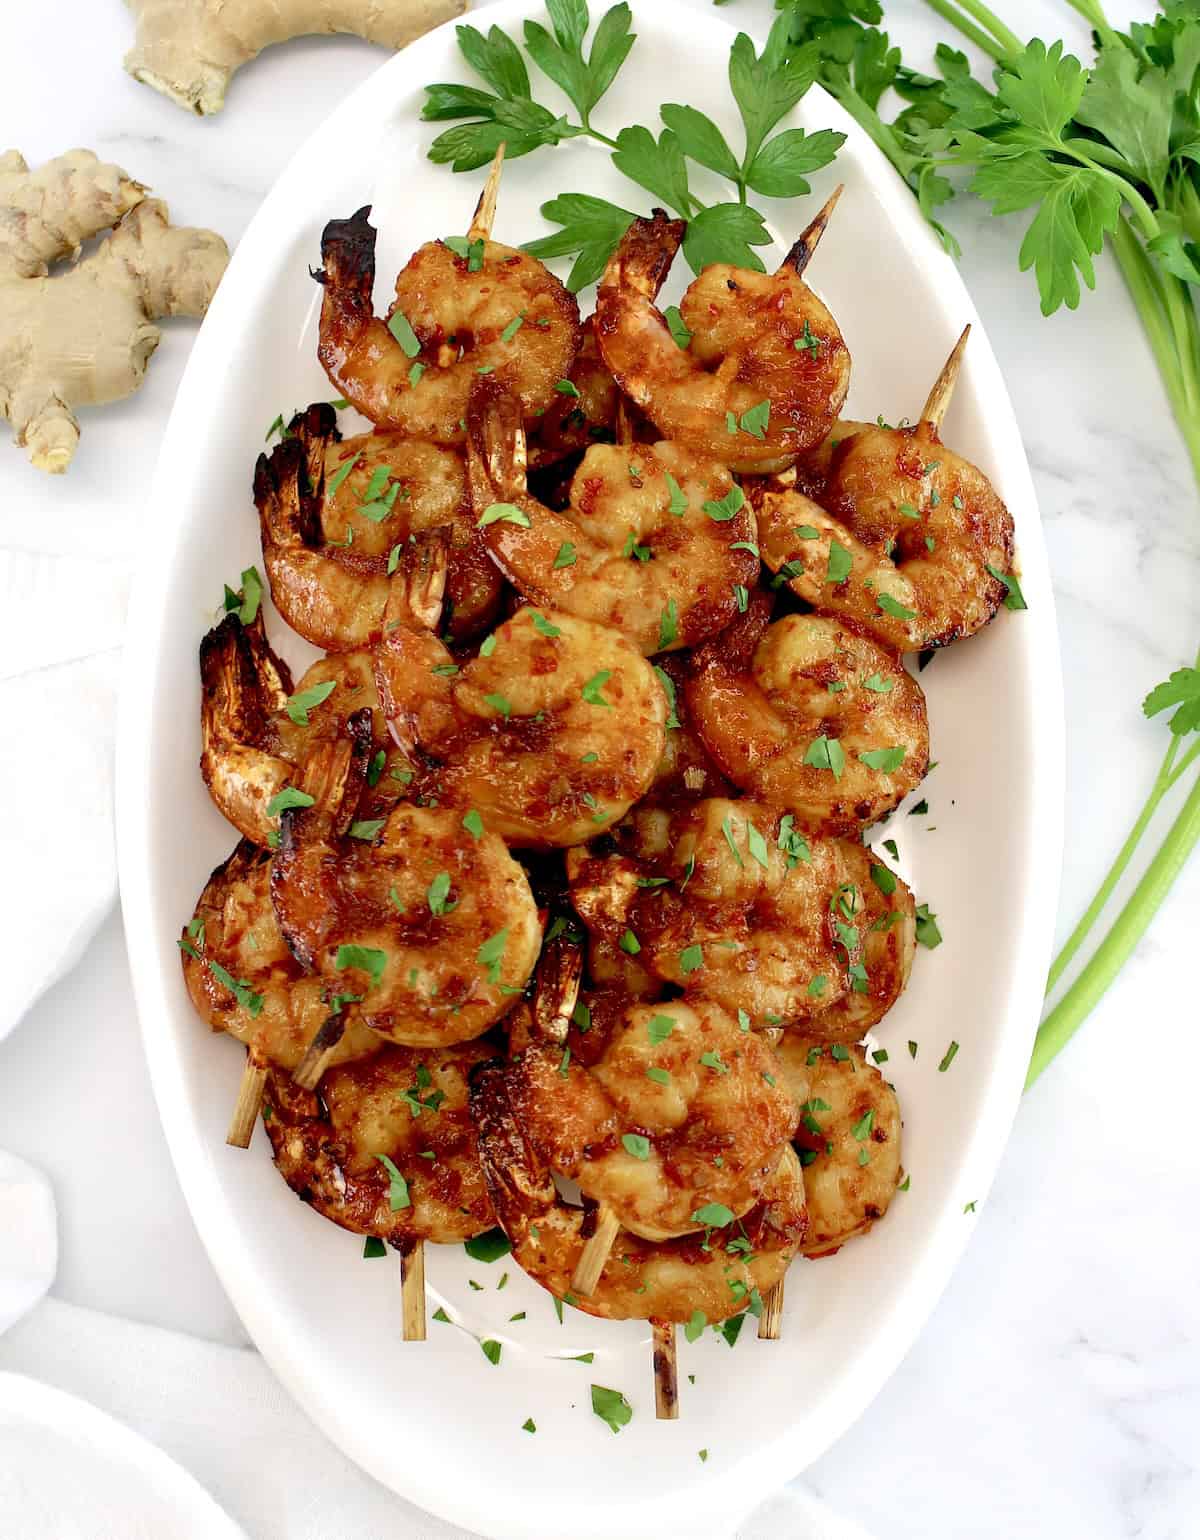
(485, 210)
(248, 1104)
(801, 253)
(666, 1372)
(594, 1256)
(938, 403)
(317, 1055)
(771, 1320)
(412, 1290)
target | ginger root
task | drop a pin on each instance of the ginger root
(189, 49)
(83, 336)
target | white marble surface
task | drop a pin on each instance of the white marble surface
(1056, 1392)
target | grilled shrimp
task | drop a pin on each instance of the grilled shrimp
(426, 923)
(407, 1106)
(848, 1138)
(809, 715)
(335, 519)
(835, 572)
(766, 370)
(492, 308)
(242, 978)
(716, 1272)
(730, 901)
(254, 747)
(584, 410)
(686, 771)
(551, 733)
(916, 507)
(681, 1109)
(655, 542)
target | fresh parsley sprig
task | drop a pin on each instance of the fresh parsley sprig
(765, 88)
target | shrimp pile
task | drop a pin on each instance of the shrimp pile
(553, 906)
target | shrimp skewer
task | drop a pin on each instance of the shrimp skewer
(730, 901)
(656, 541)
(387, 1150)
(258, 730)
(916, 533)
(427, 928)
(551, 733)
(452, 316)
(809, 715)
(336, 517)
(766, 370)
(664, 1281)
(242, 979)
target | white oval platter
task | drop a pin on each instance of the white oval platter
(437, 1421)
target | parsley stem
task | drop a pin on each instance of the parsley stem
(1162, 784)
(1146, 289)
(1005, 37)
(969, 30)
(1123, 936)
(1093, 13)
(594, 133)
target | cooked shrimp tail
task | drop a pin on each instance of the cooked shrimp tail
(242, 683)
(802, 251)
(485, 210)
(496, 453)
(559, 975)
(645, 253)
(938, 404)
(418, 591)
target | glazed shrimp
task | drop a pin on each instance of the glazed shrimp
(487, 307)
(408, 1105)
(428, 925)
(655, 542)
(551, 733)
(716, 1273)
(917, 508)
(258, 730)
(766, 370)
(848, 1139)
(687, 771)
(809, 715)
(731, 902)
(335, 518)
(241, 977)
(584, 410)
(644, 1145)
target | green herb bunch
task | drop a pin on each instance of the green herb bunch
(765, 88)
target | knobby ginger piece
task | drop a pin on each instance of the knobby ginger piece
(82, 336)
(190, 49)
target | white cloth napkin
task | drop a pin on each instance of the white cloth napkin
(62, 621)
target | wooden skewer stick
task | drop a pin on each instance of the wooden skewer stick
(595, 1252)
(485, 209)
(319, 1052)
(666, 1373)
(412, 1290)
(936, 407)
(771, 1319)
(802, 252)
(246, 1108)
